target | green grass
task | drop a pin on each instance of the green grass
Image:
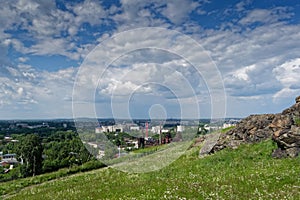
(248, 172)
(18, 184)
(224, 130)
(150, 149)
(297, 121)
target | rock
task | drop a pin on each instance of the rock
(199, 141)
(297, 99)
(278, 153)
(287, 131)
(295, 110)
(293, 152)
(280, 122)
(251, 129)
(283, 128)
(209, 143)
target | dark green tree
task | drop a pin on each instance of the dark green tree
(30, 152)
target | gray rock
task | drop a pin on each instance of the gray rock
(251, 129)
(297, 99)
(278, 153)
(293, 152)
(287, 131)
(209, 143)
(283, 128)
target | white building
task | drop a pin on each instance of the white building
(155, 129)
(134, 128)
(180, 128)
(210, 128)
(98, 130)
(227, 125)
(108, 129)
(165, 130)
(230, 123)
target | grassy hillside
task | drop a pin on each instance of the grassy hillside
(245, 173)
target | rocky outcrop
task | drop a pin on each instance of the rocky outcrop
(283, 128)
(286, 131)
(251, 129)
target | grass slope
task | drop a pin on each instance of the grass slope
(245, 173)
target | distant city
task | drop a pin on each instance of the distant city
(127, 135)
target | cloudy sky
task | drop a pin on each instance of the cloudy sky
(180, 58)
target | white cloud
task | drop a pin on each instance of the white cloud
(243, 73)
(44, 94)
(176, 15)
(250, 50)
(23, 59)
(154, 66)
(43, 26)
(16, 87)
(89, 11)
(266, 15)
(57, 46)
(246, 59)
(242, 4)
(288, 75)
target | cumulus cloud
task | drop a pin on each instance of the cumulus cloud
(15, 85)
(266, 15)
(255, 50)
(39, 92)
(170, 70)
(176, 15)
(288, 75)
(43, 25)
(247, 60)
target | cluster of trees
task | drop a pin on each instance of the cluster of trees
(46, 154)
(64, 149)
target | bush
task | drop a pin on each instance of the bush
(93, 164)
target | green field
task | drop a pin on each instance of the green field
(248, 172)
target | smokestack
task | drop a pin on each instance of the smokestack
(146, 136)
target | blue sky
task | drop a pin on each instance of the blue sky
(255, 46)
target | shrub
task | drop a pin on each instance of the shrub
(93, 164)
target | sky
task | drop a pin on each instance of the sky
(148, 58)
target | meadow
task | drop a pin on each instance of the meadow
(248, 172)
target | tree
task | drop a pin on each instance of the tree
(30, 152)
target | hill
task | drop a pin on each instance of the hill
(248, 172)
